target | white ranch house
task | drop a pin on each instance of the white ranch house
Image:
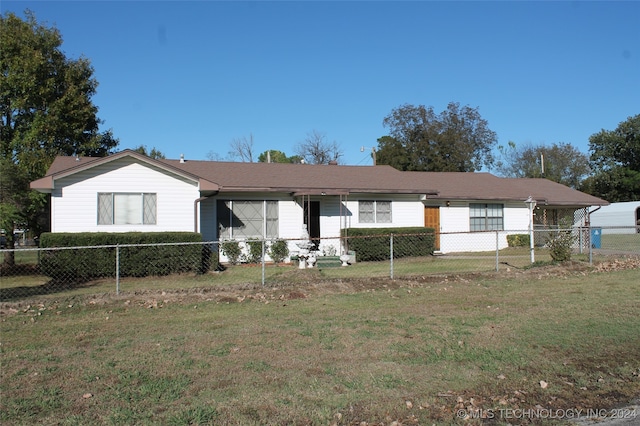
(128, 191)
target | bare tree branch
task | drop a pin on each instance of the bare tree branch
(315, 149)
(242, 148)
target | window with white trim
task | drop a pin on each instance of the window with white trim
(486, 217)
(127, 208)
(242, 219)
(374, 211)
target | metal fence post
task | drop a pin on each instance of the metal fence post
(532, 244)
(263, 256)
(391, 256)
(497, 251)
(580, 237)
(117, 268)
(590, 247)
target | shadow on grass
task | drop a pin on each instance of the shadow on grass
(19, 269)
(50, 287)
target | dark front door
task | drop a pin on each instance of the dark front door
(312, 220)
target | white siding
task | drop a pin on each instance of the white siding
(406, 211)
(74, 202)
(289, 219)
(456, 237)
(516, 217)
(454, 218)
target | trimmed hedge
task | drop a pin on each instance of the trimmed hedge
(137, 261)
(372, 244)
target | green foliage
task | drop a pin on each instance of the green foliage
(560, 245)
(518, 240)
(618, 184)
(615, 158)
(275, 156)
(141, 254)
(45, 110)
(563, 163)
(456, 140)
(278, 250)
(254, 254)
(373, 244)
(231, 249)
(154, 153)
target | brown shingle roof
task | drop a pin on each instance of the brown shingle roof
(336, 179)
(485, 186)
(301, 178)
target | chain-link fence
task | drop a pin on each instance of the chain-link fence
(31, 271)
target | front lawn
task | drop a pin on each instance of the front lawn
(421, 351)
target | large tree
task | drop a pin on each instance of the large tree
(456, 140)
(615, 159)
(45, 110)
(316, 149)
(560, 162)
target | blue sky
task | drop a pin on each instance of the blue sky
(189, 77)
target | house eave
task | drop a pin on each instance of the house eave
(44, 184)
(541, 201)
(326, 191)
(208, 187)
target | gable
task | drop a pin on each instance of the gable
(73, 169)
(124, 175)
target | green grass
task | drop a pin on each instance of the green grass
(193, 358)
(629, 242)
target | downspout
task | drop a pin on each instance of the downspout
(589, 215)
(195, 212)
(589, 226)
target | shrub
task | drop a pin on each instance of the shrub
(254, 251)
(373, 244)
(210, 258)
(232, 250)
(278, 251)
(140, 254)
(560, 245)
(518, 240)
